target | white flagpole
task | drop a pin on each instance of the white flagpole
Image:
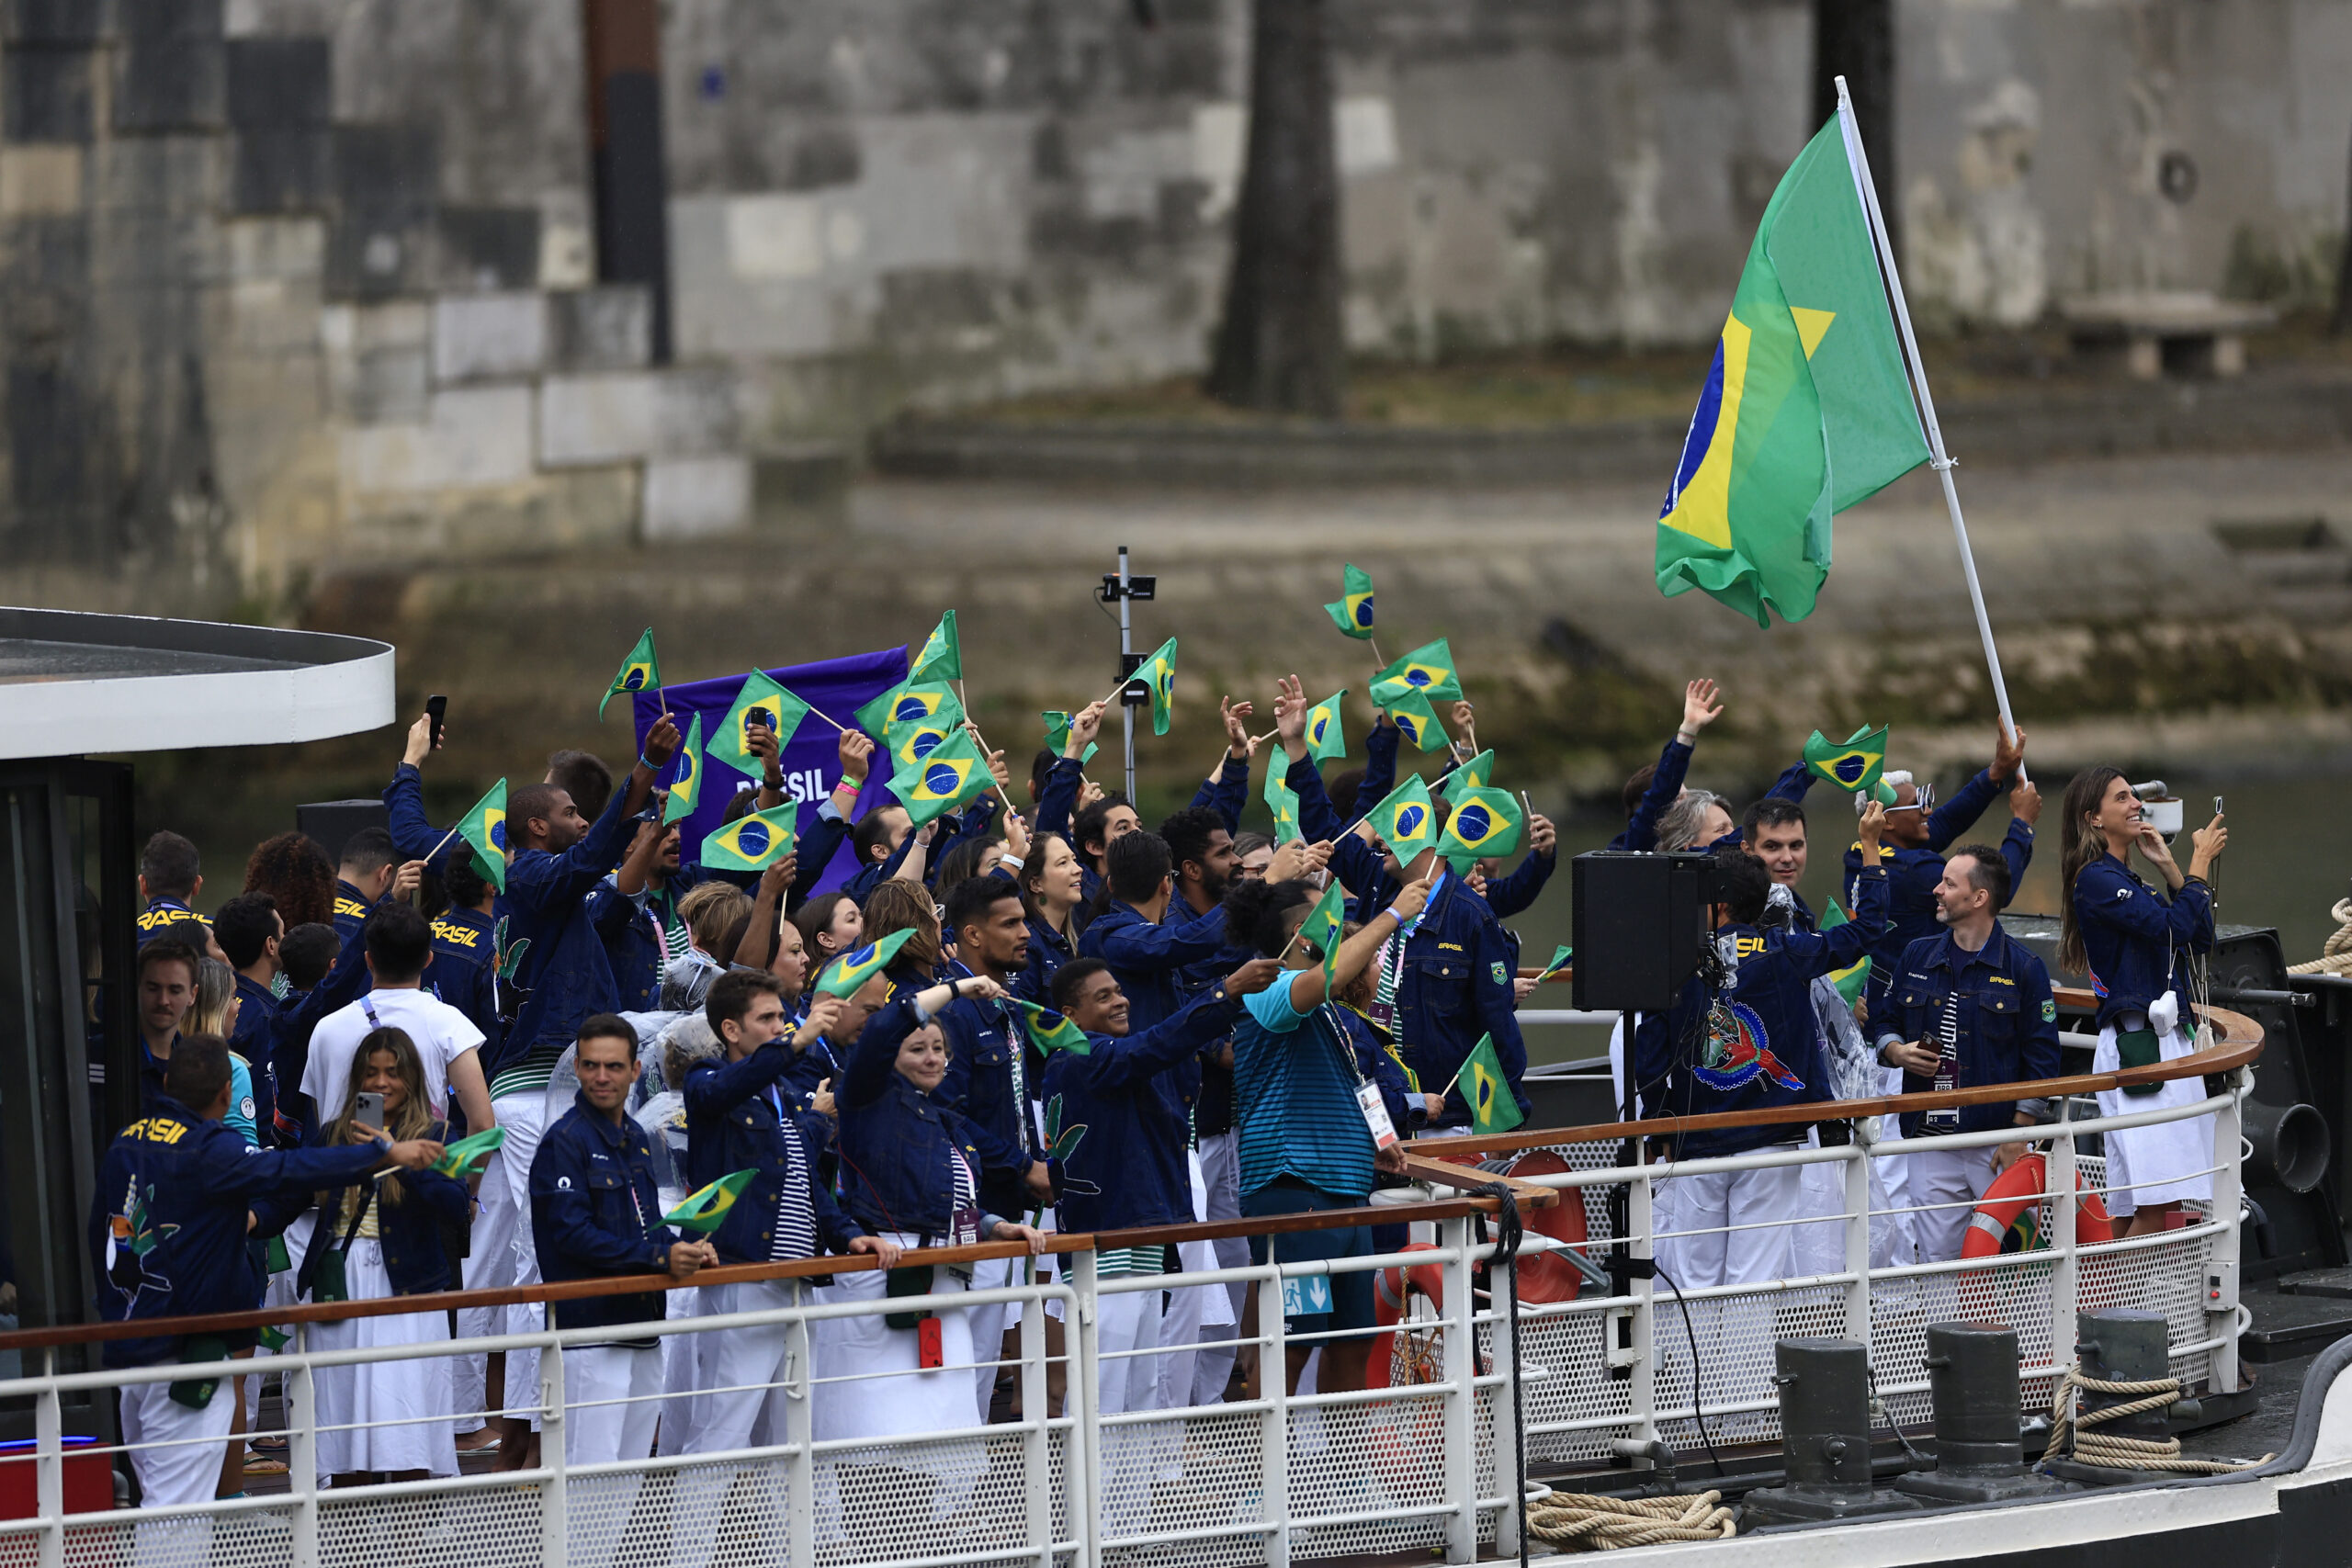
(1859, 162)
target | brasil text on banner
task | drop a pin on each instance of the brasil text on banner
(811, 759)
(1806, 409)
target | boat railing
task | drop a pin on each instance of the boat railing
(1425, 1459)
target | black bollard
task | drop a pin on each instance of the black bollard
(1825, 1436)
(1973, 1379)
(2120, 1346)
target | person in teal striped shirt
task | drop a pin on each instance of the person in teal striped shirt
(1306, 1142)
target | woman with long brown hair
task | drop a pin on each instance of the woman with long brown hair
(2135, 947)
(385, 1420)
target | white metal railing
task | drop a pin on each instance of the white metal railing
(1423, 1464)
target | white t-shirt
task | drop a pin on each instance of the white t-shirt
(442, 1034)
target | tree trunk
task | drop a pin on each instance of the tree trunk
(1279, 345)
(1855, 38)
(2341, 321)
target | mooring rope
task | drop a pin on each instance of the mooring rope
(2111, 1450)
(1586, 1523)
(2336, 955)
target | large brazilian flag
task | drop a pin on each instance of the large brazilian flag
(1806, 409)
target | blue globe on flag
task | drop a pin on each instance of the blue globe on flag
(752, 840)
(941, 780)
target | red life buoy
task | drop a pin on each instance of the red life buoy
(2009, 1217)
(2008, 1221)
(1549, 1276)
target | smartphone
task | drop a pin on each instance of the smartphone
(368, 1110)
(929, 1352)
(437, 708)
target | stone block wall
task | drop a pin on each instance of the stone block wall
(286, 285)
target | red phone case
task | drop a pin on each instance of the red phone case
(928, 1352)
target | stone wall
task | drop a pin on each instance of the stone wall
(289, 286)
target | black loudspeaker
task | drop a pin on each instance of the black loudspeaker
(332, 822)
(1640, 926)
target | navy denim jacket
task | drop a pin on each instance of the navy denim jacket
(1912, 875)
(409, 1231)
(564, 974)
(595, 1214)
(2139, 943)
(189, 1183)
(1129, 1167)
(2008, 1022)
(896, 1141)
(733, 1124)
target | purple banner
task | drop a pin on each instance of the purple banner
(811, 759)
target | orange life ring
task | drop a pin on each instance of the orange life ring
(2008, 1221)
(2009, 1217)
(1549, 1276)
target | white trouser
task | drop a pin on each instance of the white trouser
(1765, 1200)
(595, 1377)
(186, 1472)
(2150, 1167)
(735, 1369)
(989, 1323)
(1733, 1338)
(1957, 1178)
(1129, 1320)
(503, 1253)
(681, 1373)
(1221, 1176)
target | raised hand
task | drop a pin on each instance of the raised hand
(856, 753)
(1290, 714)
(2007, 753)
(1700, 707)
(661, 742)
(1084, 726)
(1236, 733)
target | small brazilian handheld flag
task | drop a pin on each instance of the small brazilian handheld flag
(754, 842)
(763, 701)
(485, 829)
(1326, 927)
(1414, 719)
(955, 772)
(1058, 736)
(1493, 1107)
(1049, 1030)
(1849, 980)
(913, 740)
(853, 969)
(467, 1155)
(1484, 822)
(941, 658)
(686, 787)
(1158, 672)
(640, 672)
(1324, 739)
(1806, 409)
(1352, 614)
(1428, 670)
(705, 1209)
(1283, 801)
(1856, 765)
(902, 703)
(1476, 773)
(1560, 956)
(1407, 820)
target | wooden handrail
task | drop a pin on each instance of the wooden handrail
(2073, 998)
(744, 1273)
(2242, 1044)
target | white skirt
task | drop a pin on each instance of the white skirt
(2164, 1163)
(890, 1395)
(418, 1393)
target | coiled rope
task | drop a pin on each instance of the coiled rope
(1586, 1523)
(2337, 954)
(2110, 1451)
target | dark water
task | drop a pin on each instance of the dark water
(2287, 863)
